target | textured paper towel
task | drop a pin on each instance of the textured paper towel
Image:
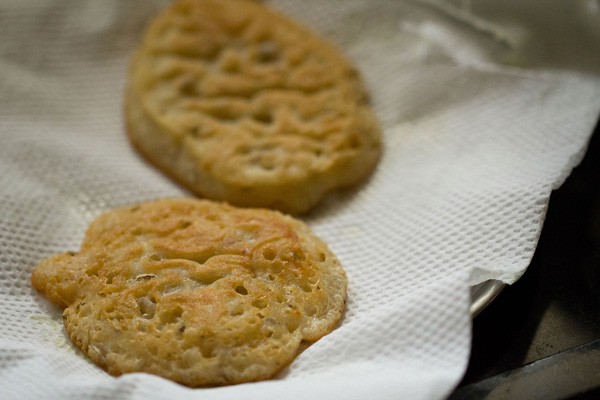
(483, 116)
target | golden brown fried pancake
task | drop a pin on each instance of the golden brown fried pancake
(195, 291)
(239, 103)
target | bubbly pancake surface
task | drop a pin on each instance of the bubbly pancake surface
(239, 103)
(198, 292)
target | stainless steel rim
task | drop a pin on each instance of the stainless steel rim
(483, 294)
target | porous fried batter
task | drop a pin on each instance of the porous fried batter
(195, 291)
(239, 103)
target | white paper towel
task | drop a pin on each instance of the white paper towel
(485, 109)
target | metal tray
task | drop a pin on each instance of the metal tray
(483, 294)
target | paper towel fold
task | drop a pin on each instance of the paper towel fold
(485, 110)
